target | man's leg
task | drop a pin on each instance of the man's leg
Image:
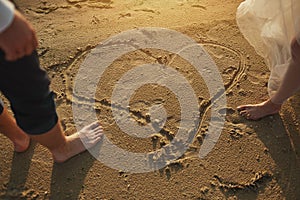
(290, 84)
(27, 88)
(11, 130)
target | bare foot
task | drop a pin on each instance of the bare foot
(78, 142)
(257, 111)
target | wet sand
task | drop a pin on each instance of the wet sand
(251, 160)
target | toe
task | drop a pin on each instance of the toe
(97, 135)
(244, 112)
(94, 125)
(243, 107)
(98, 129)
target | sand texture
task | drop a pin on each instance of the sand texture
(251, 160)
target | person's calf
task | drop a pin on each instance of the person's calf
(11, 130)
(295, 51)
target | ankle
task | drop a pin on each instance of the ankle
(276, 101)
(59, 148)
(275, 105)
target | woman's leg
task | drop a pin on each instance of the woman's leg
(289, 86)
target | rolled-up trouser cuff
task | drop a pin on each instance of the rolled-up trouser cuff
(35, 117)
(26, 86)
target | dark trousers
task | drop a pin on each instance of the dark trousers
(26, 86)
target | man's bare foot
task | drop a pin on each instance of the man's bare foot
(78, 142)
(257, 111)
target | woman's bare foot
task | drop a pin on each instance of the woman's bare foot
(257, 111)
(78, 142)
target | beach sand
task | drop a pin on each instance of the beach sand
(251, 159)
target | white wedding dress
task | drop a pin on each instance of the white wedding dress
(269, 26)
